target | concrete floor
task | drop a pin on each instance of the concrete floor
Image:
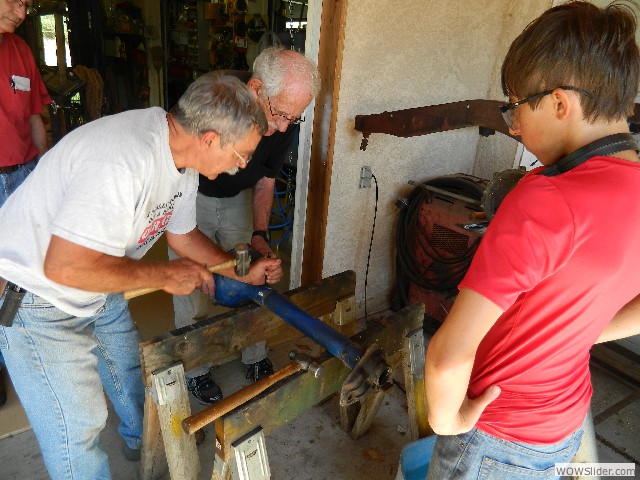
(313, 447)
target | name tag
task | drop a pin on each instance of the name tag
(20, 83)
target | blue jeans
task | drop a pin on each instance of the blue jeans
(57, 363)
(479, 456)
(8, 184)
(10, 181)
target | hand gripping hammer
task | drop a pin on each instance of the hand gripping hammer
(240, 264)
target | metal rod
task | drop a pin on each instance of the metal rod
(232, 293)
(444, 192)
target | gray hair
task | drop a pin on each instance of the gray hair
(275, 65)
(220, 103)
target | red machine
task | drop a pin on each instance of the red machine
(439, 231)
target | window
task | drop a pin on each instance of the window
(49, 43)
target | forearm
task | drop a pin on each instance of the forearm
(449, 362)
(625, 323)
(73, 265)
(446, 385)
(262, 203)
(196, 246)
(76, 267)
(38, 133)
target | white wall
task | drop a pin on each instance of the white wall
(405, 54)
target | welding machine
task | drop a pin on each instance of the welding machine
(439, 229)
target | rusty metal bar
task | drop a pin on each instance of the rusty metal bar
(435, 118)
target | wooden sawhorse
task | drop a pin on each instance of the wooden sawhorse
(221, 339)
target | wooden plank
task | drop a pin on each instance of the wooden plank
(173, 407)
(153, 464)
(222, 338)
(332, 26)
(286, 400)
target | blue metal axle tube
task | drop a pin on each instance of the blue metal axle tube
(231, 293)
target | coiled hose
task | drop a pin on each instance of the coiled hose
(444, 271)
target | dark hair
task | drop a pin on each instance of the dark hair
(581, 45)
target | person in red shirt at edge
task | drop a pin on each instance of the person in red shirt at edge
(507, 374)
(22, 94)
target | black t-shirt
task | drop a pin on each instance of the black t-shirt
(266, 161)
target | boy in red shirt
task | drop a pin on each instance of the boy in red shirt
(507, 374)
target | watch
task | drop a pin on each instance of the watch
(260, 233)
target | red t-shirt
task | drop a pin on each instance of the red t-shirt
(561, 257)
(16, 103)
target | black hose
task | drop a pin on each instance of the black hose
(444, 271)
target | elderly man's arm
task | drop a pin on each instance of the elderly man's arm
(196, 246)
(79, 267)
(262, 204)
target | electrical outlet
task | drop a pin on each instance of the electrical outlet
(365, 177)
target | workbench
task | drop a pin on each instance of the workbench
(240, 433)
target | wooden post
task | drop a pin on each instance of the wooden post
(170, 393)
(153, 464)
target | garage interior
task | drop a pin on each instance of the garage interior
(348, 199)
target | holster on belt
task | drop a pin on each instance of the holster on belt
(13, 295)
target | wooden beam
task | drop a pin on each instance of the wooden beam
(332, 25)
(222, 338)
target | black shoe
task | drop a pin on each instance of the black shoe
(131, 454)
(3, 391)
(204, 389)
(200, 437)
(259, 370)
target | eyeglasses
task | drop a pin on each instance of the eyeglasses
(244, 160)
(291, 120)
(508, 109)
(29, 9)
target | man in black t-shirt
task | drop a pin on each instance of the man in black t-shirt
(236, 208)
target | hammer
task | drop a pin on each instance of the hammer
(203, 418)
(241, 264)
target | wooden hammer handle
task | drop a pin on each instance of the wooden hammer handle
(214, 268)
(203, 418)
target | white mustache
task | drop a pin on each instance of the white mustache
(232, 171)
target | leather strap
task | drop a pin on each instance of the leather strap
(608, 145)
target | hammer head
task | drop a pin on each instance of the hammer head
(243, 259)
(307, 363)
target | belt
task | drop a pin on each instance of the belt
(13, 168)
(9, 169)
